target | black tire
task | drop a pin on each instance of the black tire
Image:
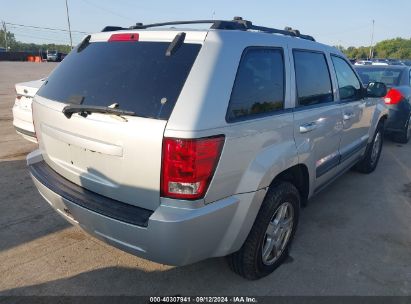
(248, 261)
(368, 163)
(405, 135)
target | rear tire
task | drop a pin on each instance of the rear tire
(273, 229)
(373, 152)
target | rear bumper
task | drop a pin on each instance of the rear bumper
(397, 118)
(174, 236)
(30, 136)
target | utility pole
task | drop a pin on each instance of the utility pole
(5, 34)
(372, 40)
(69, 27)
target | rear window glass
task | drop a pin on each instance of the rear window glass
(136, 75)
(259, 85)
(391, 77)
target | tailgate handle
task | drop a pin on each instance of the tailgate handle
(83, 142)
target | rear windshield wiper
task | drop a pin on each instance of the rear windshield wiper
(85, 110)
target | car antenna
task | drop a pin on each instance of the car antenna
(163, 101)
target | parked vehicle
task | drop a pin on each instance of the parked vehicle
(394, 62)
(398, 99)
(363, 62)
(180, 145)
(380, 63)
(379, 60)
(406, 62)
(22, 115)
(52, 56)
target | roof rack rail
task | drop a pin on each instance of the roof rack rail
(238, 23)
(110, 28)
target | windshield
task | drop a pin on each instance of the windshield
(137, 76)
(391, 77)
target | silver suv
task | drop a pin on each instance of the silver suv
(180, 145)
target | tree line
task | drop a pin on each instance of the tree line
(16, 46)
(398, 48)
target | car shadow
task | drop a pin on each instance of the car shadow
(24, 215)
(195, 279)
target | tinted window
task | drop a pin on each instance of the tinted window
(391, 77)
(259, 84)
(312, 78)
(348, 84)
(136, 75)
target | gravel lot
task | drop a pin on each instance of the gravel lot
(354, 238)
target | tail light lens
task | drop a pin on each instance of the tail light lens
(17, 102)
(188, 166)
(393, 97)
(123, 37)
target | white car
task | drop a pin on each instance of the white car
(22, 116)
(363, 62)
(379, 63)
(52, 56)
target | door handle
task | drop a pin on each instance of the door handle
(308, 127)
(348, 116)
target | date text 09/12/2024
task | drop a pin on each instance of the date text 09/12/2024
(203, 299)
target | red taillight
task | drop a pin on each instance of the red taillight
(188, 166)
(123, 37)
(393, 97)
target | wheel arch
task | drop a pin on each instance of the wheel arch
(299, 176)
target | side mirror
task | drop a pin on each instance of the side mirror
(376, 89)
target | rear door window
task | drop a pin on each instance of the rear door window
(312, 78)
(259, 85)
(136, 75)
(348, 84)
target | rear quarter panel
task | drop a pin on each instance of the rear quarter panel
(255, 151)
